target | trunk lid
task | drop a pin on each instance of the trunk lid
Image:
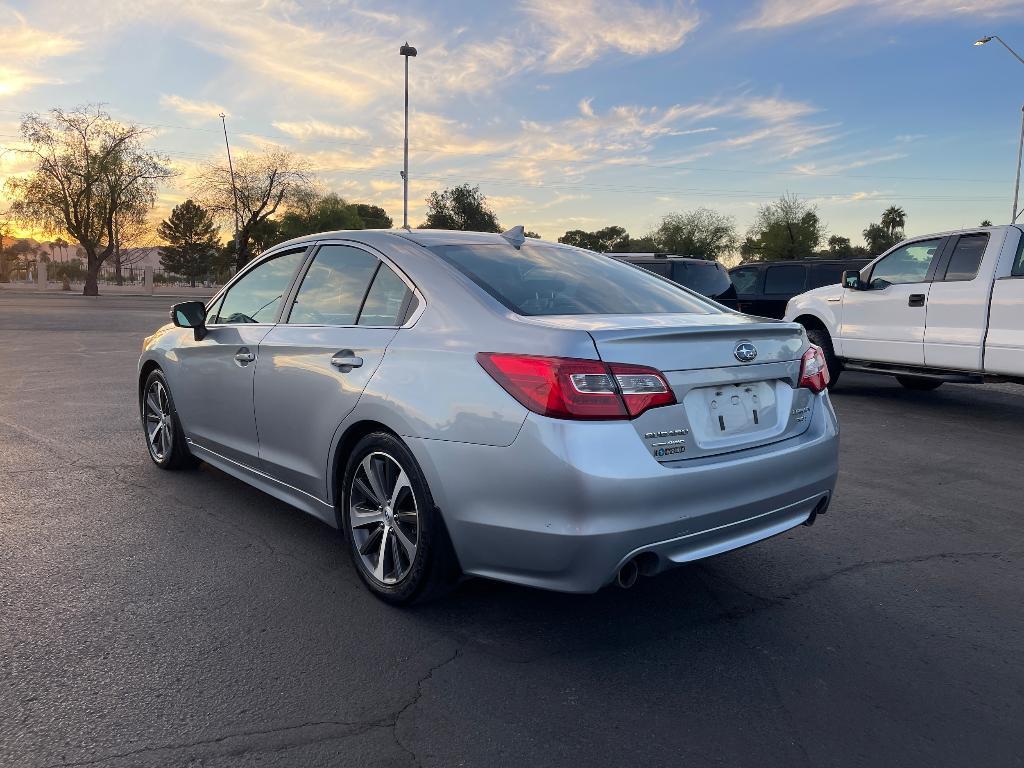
(735, 378)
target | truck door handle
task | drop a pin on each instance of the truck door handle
(346, 360)
(244, 356)
(916, 300)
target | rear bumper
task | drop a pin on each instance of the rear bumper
(568, 503)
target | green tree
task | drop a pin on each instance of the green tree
(701, 233)
(89, 170)
(611, 238)
(315, 213)
(785, 229)
(373, 216)
(985, 223)
(531, 233)
(894, 219)
(192, 241)
(462, 207)
(879, 239)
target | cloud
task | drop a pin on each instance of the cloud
(576, 34)
(192, 108)
(837, 168)
(317, 129)
(785, 13)
(25, 49)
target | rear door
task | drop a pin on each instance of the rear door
(1004, 345)
(781, 283)
(315, 364)
(958, 303)
(213, 383)
(886, 322)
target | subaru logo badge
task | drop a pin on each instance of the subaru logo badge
(745, 352)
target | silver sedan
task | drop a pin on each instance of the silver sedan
(490, 405)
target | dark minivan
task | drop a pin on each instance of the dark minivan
(708, 278)
(764, 289)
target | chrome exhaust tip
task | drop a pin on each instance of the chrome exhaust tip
(628, 574)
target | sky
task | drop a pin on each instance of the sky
(568, 115)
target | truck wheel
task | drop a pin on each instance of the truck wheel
(919, 383)
(823, 340)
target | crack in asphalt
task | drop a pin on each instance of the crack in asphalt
(336, 730)
(416, 700)
(351, 729)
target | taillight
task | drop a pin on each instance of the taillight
(570, 388)
(813, 369)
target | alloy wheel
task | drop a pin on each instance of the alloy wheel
(383, 518)
(159, 424)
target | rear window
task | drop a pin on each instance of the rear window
(746, 280)
(705, 277)
(539, 279)
(966, 257)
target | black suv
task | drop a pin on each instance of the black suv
(764, 288)
(708, 278)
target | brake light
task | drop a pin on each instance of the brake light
(814, 370)
(570, 388)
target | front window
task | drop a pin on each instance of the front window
(541, 279)
(257, 295)
(908, 264)
(745, 280)
(787, 279)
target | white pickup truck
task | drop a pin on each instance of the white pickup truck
(945, 307)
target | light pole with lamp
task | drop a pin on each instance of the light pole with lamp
(406, 51)
(1020, 144)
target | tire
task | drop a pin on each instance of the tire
(823, 340)
(161, 428)
(396, 537)
(919, 383)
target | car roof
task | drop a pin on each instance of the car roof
(424, 237)
(830, 262)
(660, 258)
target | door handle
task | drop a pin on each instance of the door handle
(244, 356)
(916, 300)
(346, 360)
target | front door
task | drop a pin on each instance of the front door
(886, 322)
(316, 363)
(213, 382)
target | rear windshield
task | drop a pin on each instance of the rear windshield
(539, 279)
(706, 277)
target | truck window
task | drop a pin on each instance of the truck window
(966, 258)
(746, 279)
(908, 264)
(787, 279)
(825, 274)
(1018, 263)
(658, 268)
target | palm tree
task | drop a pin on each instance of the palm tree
(893, 219)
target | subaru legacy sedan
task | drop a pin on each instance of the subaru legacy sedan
(474, 404)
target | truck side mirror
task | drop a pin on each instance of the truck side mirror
(190, 314)
(851, 280)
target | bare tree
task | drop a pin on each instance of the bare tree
(90, 169)
(132, 233)
(5, 258)
(266, 182)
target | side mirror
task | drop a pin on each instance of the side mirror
(190, 314)
(851, 280)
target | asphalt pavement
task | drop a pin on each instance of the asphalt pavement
(150, 618)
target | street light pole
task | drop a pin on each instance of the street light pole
(406, 51)
(1020, 143)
